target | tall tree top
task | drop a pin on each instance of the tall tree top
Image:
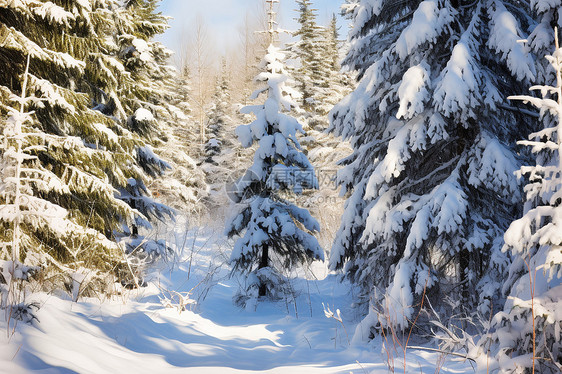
(272, 28)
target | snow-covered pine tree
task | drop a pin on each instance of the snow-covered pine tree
(276, 235)
(337, 83)
(333, 44)
(324, 150)
(332, 85)
(182, 90)
(318, 72)
(219, 115)
(548, 15)
(38, 219)
(309, 52)
(220, 152)
(430, 183)
(152, 78)
(145, 95)
(183, 187)
(74, 63)
(530, 323)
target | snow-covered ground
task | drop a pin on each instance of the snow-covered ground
(145, 331)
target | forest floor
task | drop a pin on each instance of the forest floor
(150, 331)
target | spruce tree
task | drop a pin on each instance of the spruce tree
(74, 79)
(333, 44)
(146, 97)
(183, 186)
(526, 335)
(308, 51)
(36, 227)
(430, 183)
(548, 16)
(147, 62)
(182, 109)
(318, 74)
(221, 156)
(218, 116)
(275, 235)
(334, 84)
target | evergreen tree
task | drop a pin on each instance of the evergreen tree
(275, 234)
(332, 49)
(319, 79)
(308, 51)
(220, 149)
(40, 231)
(152, 79)
(218, 116)
(146, 96)
(334, 84)
(430, 183)
(182, 90)
(526, 335)
(74, 81)
(183, 186)
(324, 150)
(548, 16)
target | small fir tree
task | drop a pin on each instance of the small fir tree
(308, 51)
(275, 234)
(318, 75)
(219, 116)
(336, 83)
(183, 187)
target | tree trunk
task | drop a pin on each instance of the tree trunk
(264, 262)
(464, 264)
(135, 232)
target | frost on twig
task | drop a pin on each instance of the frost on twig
(335, 316)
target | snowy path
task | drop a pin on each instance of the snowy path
(137, 334)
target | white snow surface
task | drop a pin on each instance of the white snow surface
(427, 23)
(505, 38)
(144, 331)
(143, 114)
(413, 91)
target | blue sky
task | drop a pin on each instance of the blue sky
(223, 17)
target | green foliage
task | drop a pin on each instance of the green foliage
(318, 75)
(93, 66)
(308, 51)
